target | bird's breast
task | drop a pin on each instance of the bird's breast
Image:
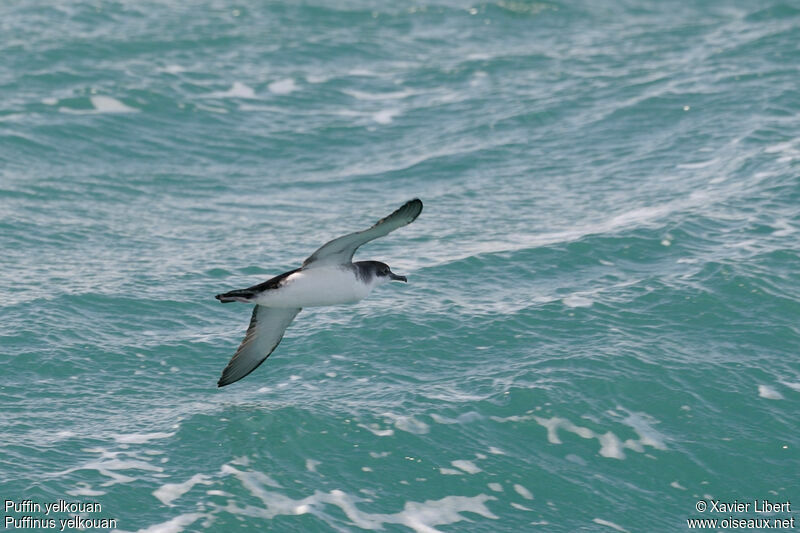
(317, 287)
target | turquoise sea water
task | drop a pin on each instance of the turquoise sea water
(601, 325)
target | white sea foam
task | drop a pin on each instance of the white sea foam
(84, 489)
(794, 386)
(610, 444)
(765, 391)
(520, 507)
(421, 517)
(106, 104)
(377, 431)
(285, 86)
(169, 492)
(237, 90)
(638, 217)
(577, 459)
(467, 466)
(522, 491)
(789, 151)
(497, 487)
(643, 424)
(396, 95)
(101, 104)
(576, 300)
(463, 418)
(173, 69)
(110, 463)
(140, 438)
(173, 525)
(311, 465)
(408, 423)
(612, 525)
(211, 108)
(385, 116)
(699, 164)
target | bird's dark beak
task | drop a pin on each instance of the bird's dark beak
(395, 277)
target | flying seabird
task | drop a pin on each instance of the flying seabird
(327, 277)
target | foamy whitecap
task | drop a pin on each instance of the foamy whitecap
(463, 418)
(173, 525)
(106, 104)
(84, 489)
(140, 438)
(497, 487)
(395, 95)
(282, 86)
(522, 491)
(421, 517)
(100, 104)
(408, 423)
(311, 465)
(385, 116)
(575, 300)
(377, 431)
(612, 525)
(699, 164)
(520, 507)
(467, 466)
(793, 386)
(765, 391)
(173, 69)
(642, 424)
(610, 444)
(789, 151)
(110, 464)
(211, 108)
(237, 90)
(169, 492)
(632, 218)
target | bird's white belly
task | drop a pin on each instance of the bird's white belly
(317, 287)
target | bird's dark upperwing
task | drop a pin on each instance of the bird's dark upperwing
(341, 250)
(267, 326)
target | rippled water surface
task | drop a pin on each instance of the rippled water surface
(601, 322)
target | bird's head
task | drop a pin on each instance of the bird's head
(383, 273)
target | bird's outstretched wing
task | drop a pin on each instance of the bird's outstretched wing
(341, 250)
(267, 326)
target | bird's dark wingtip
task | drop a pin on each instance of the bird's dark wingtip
(413, 207)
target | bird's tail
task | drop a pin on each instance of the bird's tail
(239, 295)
